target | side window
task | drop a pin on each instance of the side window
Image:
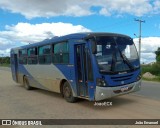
(23, 56)
(44, 53)
(61, 53)
(32, 56)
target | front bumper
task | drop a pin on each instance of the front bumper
(108, 92)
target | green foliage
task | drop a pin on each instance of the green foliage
(154, 69)
(4, 60)
(158, 55)
(158, 58)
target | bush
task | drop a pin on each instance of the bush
(154, 69)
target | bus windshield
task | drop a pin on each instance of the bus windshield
(116, 54)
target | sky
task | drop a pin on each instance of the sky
(30, 21)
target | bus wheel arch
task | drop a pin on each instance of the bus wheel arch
(67, 92)
(26, 83)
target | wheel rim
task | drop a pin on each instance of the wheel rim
(67, 92)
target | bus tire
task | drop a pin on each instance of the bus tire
(68, 94)
(26, 83)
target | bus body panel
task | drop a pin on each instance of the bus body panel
(46, 77)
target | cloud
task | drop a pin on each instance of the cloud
(46, 8)
(24, 33)
(50, 8)
(4, 52)
(105, 12)
(5, 43)
(133, 7)
(147, 58)
(148, 47)
(156, 7)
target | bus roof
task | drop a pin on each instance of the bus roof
(70, 36)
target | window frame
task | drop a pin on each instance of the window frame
(22, 56)
(53, 54)
(44, 55)
(33, 56)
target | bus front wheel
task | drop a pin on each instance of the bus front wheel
(26, 83)
(67, 93)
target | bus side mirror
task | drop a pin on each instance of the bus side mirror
(94, 46)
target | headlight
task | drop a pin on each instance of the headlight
(101, 82)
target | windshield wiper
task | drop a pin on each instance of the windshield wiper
(127, 61)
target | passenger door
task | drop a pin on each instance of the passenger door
(83, 71)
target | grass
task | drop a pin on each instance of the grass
(153, 69)
(157, 79)
(4, 65)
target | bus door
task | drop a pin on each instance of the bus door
(14, 67)
(82, 70)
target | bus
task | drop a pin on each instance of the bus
(92, 66)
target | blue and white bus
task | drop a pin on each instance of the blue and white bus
(93, 66)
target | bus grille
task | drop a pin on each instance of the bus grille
(122, 78)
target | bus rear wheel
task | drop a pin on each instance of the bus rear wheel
(26, 83)
(67, 93)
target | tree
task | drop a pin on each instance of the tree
(4, 60)
(157, 55)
